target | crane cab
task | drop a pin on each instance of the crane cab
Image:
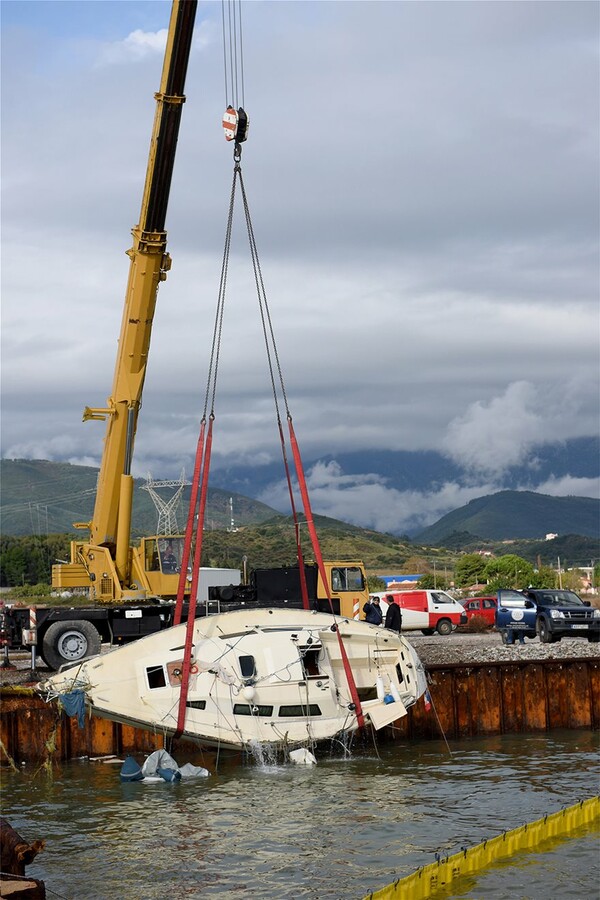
(155, 571)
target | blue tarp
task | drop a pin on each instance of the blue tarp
(73, 704)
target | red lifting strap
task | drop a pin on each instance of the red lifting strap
(301, 569)
(189, 528)
(189, 632)
(317, 551)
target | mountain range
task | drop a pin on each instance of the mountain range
(41, 497)
(518, 514)
(426, 470)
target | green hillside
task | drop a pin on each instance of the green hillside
(40, 497)
(272, 543)
(518, 514)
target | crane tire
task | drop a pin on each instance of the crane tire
(69, 642)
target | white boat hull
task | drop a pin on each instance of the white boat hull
(269, 676)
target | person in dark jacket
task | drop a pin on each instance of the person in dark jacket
(372, 611)
(393, 616)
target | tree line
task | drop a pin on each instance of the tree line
(511, 571)
(28, 560)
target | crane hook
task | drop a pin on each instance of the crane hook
(235, 124)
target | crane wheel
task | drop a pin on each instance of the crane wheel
(69, 642)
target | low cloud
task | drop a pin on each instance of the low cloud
(493, 436)
(568, 486)
(366, 500)
(136, 46)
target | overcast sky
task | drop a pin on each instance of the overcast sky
(423, 182)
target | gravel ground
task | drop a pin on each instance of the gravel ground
(433, 650)
(488, 647)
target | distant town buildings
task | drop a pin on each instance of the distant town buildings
(400, 582)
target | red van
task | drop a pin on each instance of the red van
(481, 608)
(426, 611)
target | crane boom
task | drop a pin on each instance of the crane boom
(110, 526)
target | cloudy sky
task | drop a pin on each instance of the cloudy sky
(423, 182)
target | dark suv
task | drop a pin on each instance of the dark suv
(551, 614)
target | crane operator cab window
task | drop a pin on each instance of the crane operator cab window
(163, 554)
(347, 578)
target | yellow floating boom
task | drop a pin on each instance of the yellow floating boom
(425, 882)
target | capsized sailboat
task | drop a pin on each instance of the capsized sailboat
(269, 676)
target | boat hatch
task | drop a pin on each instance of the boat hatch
(309, 657)
(247, 666)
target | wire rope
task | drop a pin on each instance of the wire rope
(224, 51)
(233, 52)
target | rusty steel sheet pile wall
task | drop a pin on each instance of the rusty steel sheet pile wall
(504, 698)
(467, 701)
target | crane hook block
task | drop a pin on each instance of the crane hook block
(235, 124)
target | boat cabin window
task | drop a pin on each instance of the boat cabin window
(247, 666)
(347, 578)
(400, 674)
(242, 709)
(156, 677)
(196, 704)
(299, 711)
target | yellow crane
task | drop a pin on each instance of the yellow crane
(106, 562)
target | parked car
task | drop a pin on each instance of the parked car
(481, 609)
(426, 611)
(550, 614)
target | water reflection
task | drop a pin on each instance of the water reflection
(336, 830)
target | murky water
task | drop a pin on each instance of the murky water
(336, 830)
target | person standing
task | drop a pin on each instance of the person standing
(372, 611)
(393, 616)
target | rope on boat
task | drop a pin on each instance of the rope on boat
(428, 880)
